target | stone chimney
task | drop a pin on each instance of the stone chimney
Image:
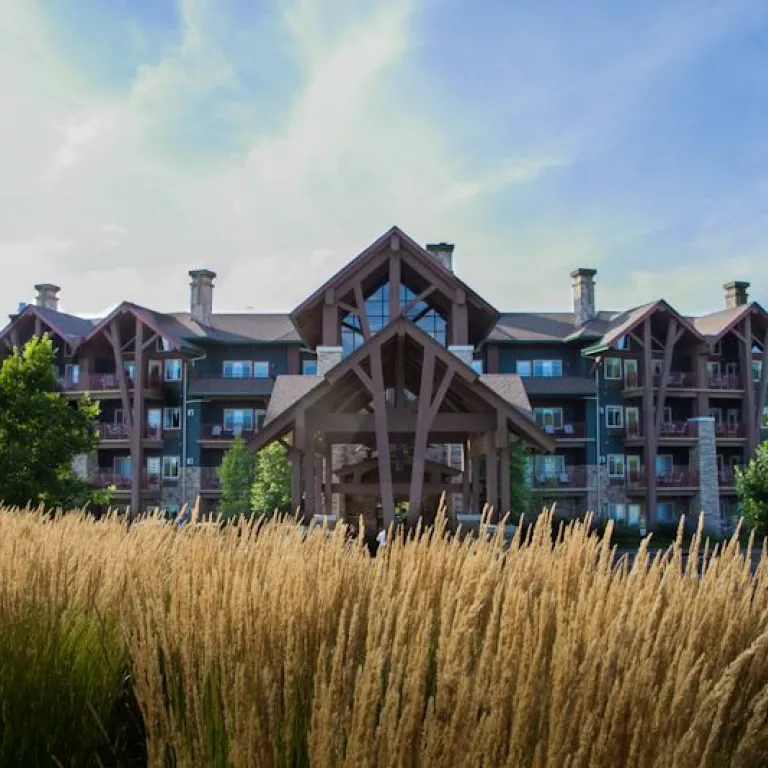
(47, 296)
(443, 252)
(583, 289)
(735, 293)
(201, 295)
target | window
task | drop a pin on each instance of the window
(617, 512)
(717, 415)
(630, 372)
(622, 343)
(667, 414)
(666, 512)
(163, 345)
(733, 417)
(122, 466)
(238, 420)
(261, 370)
(154, 421)
(664, 464)
(633, 466)
(72, 373)
(757, 369)
(549, 466)
(633, 515)
(154, 466)
(260, 416)
(477, 366)
(613, 368)
(614, 416)
(549, 419)
(237, 369)
(524, 368)
(172, 369)
(309, 367)
(632, 420)
(732, 369)
(172, 418)
(130, 369)
(170, 467)
(119, 416)
(547, 369)
(765, 416)
(616, 465)
(155, 370)
(713, 369)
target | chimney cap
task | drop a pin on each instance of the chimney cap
(440, 247)
(47, 287)
(197, 273)
(583, 272)
(735, 285)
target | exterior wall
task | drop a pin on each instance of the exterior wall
(215, 355)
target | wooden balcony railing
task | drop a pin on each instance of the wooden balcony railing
(121, 482)
(679, 477)
(725, 381)
(668, 429)
(726, 478)
(677, 379)
(570, 477)
(570, 431)
(105, 382)
(120, 432)
(220, 432)
(209, 479)
(731, 431)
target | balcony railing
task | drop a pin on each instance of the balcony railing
(570, 477)
(731, 431)
(678, 477)
(220, 432)
(677, 379)
(105, 382)
(726, 478)
(120, 481)
(668, 429)
(120, 432)
(725, 381)
(209, 479)
(571, 431)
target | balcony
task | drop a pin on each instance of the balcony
(725, 381)
(106, 383)
(210, 482)
(228, 386)
(119, 432)
(571, 478)
(726, 478)
(572, 431)
(677, 380)
(119, 482)
(218, 434)
(676, 479)
(733, 431)
(670, 430)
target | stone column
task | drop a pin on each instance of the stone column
(192, 485)
(327, 358)
(704, 461)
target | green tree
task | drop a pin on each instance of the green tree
(272, 488)
(519, 487)
(237, 473)
(41, 432)
(752, 489)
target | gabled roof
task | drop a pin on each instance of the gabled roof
(289, 389)
(70, 328)
(303, 316)
(239, 328)
(716, 324)
(542, 327)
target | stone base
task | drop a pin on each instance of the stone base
(192, 485)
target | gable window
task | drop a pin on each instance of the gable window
(172, 369)
(238, 420)
(237, 369)
(614, 416)
(171, 467)
(547, 369)
(524, 369)
(616, 465)
(261, 370)
(613, 368)
(163, 344)
(549, 419)
(172, 418)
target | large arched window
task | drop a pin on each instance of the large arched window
(377, 310)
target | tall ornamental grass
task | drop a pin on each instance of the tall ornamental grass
(263, 645)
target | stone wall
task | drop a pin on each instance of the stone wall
(327, 358)
(192, 484)
(704, 461)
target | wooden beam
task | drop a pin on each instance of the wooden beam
(749, 386)
(112, 332)
(308, 473)
(15, 342)
(506, 492)
(382, 437)
(38, 326)
(669, 348)
(474, 465)
(466, 475)
(649, 425)
(401, 489)
(762, 391)
(137, 432)
(400, 373)
(364, 377)
(492, 482)
(299, 436)
(422, 434)
(394, 283)
(405, 422)
(150, 341)
(416, 300)
(361, 313)
(328, 498)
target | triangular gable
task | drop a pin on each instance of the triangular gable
(716, 325)
(401, 326)
(56, 322)
(305, 319)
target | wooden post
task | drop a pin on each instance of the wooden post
(296, 461)
(382, 437)
(702, 381)
(474, 466)
(137, 433)
(762, 390)
(669, 348)
(749, 387)
(506, 501)
(38, 326)
(309, 475)
(394, 286)
(113, 336)
(421, 437)
(318, 508)
(492, 478)
(466, 462)
(328, 478)
(649, 426)
(400, 373)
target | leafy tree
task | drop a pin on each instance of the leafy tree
(272, 488)
(41, 432)
(519, 488)
(752, 489)
(237, 472)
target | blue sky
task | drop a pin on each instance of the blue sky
(271, 140)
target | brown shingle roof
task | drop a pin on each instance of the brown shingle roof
(548, 327)
(510, 388)
(240, 328)
(288, 390)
